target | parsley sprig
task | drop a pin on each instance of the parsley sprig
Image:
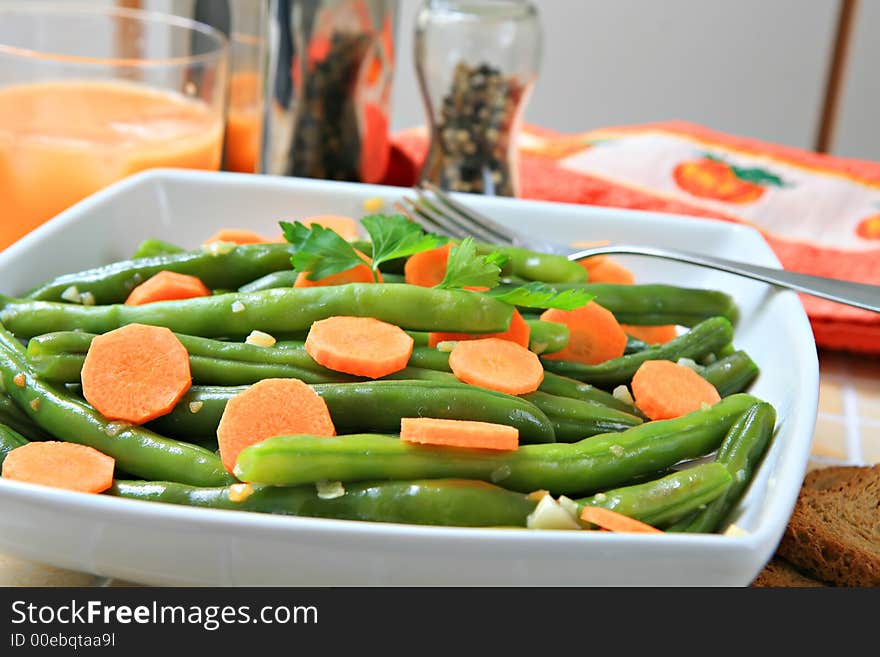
(322, 252)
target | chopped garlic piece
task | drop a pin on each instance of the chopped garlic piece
(19, 380)
(500, 474)
(260, 339)
(550, 515)
(71, 294)
(218, 248)
(538, 348)
(113, 428)
(446, 346)
(35, 404)
(617, 450)
(735, 530)
(569, 505)
(600, 497)
(689, 363)
(237, 306)
(87, 299)
(240, 492)
(374, 204)
(196, 406)
(328, 490)
(623, 394)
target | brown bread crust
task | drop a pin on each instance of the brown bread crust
(834, 530)
(779, 572)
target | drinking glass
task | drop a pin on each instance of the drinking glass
(92, 94)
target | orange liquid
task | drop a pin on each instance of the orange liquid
(243, 122)
(62, 141)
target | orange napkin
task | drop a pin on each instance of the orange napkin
(820, 214)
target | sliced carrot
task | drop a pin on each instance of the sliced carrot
(496, 364)
(61, 465)
(651, 334)
(609, 271)
(518, 332)
(167, 286)
(615, 521)
(357, 274)
(663, 390)
(427, 268)
(237, 236)
(459, 433)
(135, 373)
(271, 407)
(594, 334)
(362, 346)
(345, 227)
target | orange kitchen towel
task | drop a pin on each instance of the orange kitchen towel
(820, 214)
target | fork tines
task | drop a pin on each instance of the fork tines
(442, 214)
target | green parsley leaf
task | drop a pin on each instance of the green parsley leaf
(396, 236)
(295, 233)
(321, 251)
(467, 269)
(541, 295)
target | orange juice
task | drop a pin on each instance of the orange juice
(61, 141)
(243, 123)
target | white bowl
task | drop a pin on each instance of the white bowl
(174, 545)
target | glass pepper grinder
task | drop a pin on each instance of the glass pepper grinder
(477, 61)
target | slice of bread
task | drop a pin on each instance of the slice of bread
(779, 572)
(834, 530)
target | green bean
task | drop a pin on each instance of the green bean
(153, 247)
(634, 345)
(740, 453)
(374, 406)
(420, 338)
(547, 337)
(731, 374)
(562, 386)
(573, 419)
(136, 450)
(656, 305)
(273, 311)
(9, 440)
(450, 502)
(664, 501)
(283, 278)
(705, 338)
(217, 269)
(582, 468)
(535, 266)
(14, 418)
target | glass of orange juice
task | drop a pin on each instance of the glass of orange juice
(89, 95)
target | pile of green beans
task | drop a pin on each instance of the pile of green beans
(579, 437)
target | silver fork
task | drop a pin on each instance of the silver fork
(439, 212)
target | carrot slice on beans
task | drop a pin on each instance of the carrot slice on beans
(651, 334)
(345, 227)
(615, 521)
(609, 271)
(271, 407)
(357, 274)
(167, 286)
(237, 236)
(459, 433)
(496, 364)
(595, 335)
(518, 332)
(427, 268)
(663, 390)
(61, 465)
(135, 373)
(362, 346)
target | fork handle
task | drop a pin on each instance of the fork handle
(860, 295)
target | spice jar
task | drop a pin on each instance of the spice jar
(331, 67)
(477, 62)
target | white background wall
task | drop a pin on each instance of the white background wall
(749, 67)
